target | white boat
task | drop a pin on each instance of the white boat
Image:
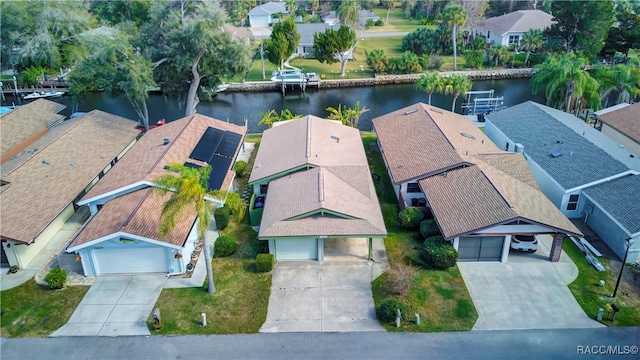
(43, 94)
(294, 77)
(222, 87)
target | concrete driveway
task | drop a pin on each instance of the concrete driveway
(115, 306)
(327, 297)
(528, 292)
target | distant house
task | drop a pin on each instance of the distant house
(331, 17)
(265, 14)
(480, 196)
(52, 170)
(306, 31)
(313, 189)
(622, 124)
(509, 29)
(122, 234)
(583, 172)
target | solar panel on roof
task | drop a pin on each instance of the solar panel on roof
(219, 167)
(207, 145)
(229, 144)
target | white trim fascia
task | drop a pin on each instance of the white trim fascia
(124, 190)
(624, 228)
(603, 180)
(122, 234)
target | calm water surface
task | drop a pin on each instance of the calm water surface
(236, 107)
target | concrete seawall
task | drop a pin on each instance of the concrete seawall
(388, 79)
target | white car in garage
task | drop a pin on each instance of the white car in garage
(527, 243)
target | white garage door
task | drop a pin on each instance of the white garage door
(259, 20)
(297, 249)
(132, 260)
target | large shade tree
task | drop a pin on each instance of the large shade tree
(283, 42)
(333, 46)
(566, 82)
(454, 16)
(582, 25)
(191, 50)
(189, 189)
(115, 67)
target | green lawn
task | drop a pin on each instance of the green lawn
(392, 45)
(31, 310)
(591, 296)
(440, 297)
(397, 21)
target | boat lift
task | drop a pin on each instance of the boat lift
(482, 105)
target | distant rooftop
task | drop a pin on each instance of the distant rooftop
(564, 146)
(520, 21)
(625, 119)
(620, 198)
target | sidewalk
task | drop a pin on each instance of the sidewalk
(42, 261)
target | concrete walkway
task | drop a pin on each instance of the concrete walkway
(115, 306)
(528, 292)
(332, 296)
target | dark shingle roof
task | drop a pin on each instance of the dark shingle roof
(542, 134)
(621, 199)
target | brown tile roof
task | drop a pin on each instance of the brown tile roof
(326, 205)
(626, 120)
(43, 186)
(487, 187)
(336, 198)
(136, 213)
(145, 161)
(306, 142)
(403, 135)
(26, 121)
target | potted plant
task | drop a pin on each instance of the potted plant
(189, 267)
(178, 256)
(14, 269)
(195, 254)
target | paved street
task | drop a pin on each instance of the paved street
(529, 344)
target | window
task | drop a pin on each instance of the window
(573, 202)
(413, 188)
(514, 39)
(264, 188)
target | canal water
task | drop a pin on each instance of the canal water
(235, 107)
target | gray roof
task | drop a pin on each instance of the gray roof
(587, 154)
(517, 21)
(621, 199)
(269, 8)
(306, 31)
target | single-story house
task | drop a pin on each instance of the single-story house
(332, 18)
(306, 31)
(622, 124)
(312, 182)
(478, 194)
(39, 187)
(265, 14)
(581, 170)
(122, 233)
(26, 124)
(508, 29)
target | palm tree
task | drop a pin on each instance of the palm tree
(339, 114)
(620, 80)
(454, 16)
(457, 84)
(354, 114)
(500, 53)
(430, 82)
(387, 4)
(191, 188)
(271, 116)
(531, 40)
(377, 60)
(566, 82)
(348, 13)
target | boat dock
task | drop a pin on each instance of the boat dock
(482, 105)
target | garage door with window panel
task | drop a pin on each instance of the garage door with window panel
(480, 248)
(131, 260)
(296, 249)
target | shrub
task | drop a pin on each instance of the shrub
(379, 22)
(264, 262)
(401, 278)
(435, 62)
(240, 166)
(56, 278)
(369, 23)
(439, 253)
(410, 217)
(388, 308)
(221, 216)
(474, 58)
(225, 246)
(429, 228)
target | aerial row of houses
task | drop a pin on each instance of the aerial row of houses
(532, 171)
